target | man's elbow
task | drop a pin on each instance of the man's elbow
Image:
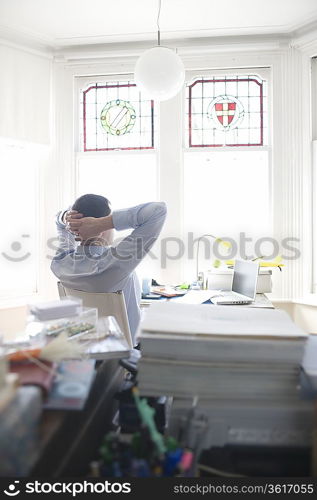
(162, 208)
(153, 211)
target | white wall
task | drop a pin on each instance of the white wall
(26, 121)
(25, 95)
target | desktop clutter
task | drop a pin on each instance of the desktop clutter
(240, 276)
(238, 363)
(240, 369)
(243, 283)
(225, 384)
(144, 453)
(235, 381)
(50, 365)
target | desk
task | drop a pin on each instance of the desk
(261, 300)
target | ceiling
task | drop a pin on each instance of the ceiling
(65, 23)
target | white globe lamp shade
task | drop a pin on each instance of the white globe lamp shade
(159, 73)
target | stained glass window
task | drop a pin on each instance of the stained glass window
(227, 111)
(115, 116)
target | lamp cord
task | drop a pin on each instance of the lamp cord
(158, 23)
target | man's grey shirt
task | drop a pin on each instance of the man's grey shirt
(96, 268)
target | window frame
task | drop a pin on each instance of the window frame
(82, 81)
(218, 80)
(290, 71)
(262, 72)
(129, 148)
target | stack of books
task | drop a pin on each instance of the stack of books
(239, 366)
(220, 352)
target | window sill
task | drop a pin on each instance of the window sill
(306, 300)
(19, 301)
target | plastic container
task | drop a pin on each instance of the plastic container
(85, 321)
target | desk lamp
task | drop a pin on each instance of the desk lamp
(225, 244)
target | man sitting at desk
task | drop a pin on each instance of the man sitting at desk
(94, 265)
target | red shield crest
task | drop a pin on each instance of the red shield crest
(225, 112)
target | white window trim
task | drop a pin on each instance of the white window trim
(314, 186)
(290, 155)
(314, 168)
(265, 74)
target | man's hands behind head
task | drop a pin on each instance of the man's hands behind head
(87, 227)
(71, 216)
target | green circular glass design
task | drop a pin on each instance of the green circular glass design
(118, 117)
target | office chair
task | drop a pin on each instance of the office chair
(107, 303)
(113, 304)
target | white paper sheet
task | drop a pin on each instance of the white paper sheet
(196, 296)
(205, 319)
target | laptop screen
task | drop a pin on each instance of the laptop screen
(245, 277)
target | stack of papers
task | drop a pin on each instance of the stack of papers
(220, 353)
(55, 309)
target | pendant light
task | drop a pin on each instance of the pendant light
(159, 72)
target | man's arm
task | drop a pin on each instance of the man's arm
(146, 221)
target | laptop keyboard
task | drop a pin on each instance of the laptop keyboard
(230, 297)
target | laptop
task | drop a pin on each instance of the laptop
(245, 278)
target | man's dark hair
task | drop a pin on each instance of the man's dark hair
(92, 205)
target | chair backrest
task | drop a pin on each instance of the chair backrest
(107, 303)
(61, 290)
